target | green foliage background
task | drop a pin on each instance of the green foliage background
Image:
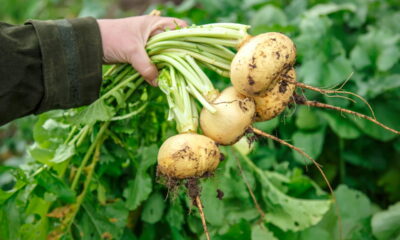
(355, 40)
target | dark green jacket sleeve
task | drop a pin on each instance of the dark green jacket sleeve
(48, 65)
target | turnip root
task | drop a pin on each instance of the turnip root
(276, 100)
(301, 100)
(259, 63)
(188, 155)
(235, 113)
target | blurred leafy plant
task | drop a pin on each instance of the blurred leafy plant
(339, 40)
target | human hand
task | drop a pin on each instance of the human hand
(124, 41)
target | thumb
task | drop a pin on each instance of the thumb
(142, 63)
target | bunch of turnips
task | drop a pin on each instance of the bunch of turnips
(264, 82)
(261, 70)
(258, 73)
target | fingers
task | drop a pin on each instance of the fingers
(142, 63)
(179, 22)
(138, 56)
(164, 23)
(171, 23)
(122, 45)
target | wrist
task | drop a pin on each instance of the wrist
(105, 25)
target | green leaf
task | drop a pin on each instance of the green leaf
(397, 145)
(36, 229)
(177, 235)
(153, 208)
(310, 142)
(102, 222)
(311, 71)
(55, 185)
(259, 232)
(353, 204)
(175, 214)
(128, 235)
(268, 15)
(63, 153)
(92, 8)
(119, 96)
(390, 21)
(267, 126)
(341, 125)
(296, 214)
(359, 57)
(97, 111)
(140, 187)
(386, 113)
(339, 69)
(301, 186)
(48, 131)
(313, 30)
(185, 6)
(21, 181)
(290, 213)
(315, 233)
(307, 119)
(148, 232)
(355, 211)
(388, 57)
(378, 46)
(296, 8)
(358, 160)
(240, 212)
(40, 154)
(117, 214)
(51, 157)
(10, 220)
(213, 207)
(386, 224)
(194, 224)
(138, 190)
(378, 86)
(390, 182)
(264, 157)
(238, 231)
(328, 8)
(357, 18)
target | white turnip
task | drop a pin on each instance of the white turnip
(188, 155)
(234, 114)
(260, 61)
(276, 100)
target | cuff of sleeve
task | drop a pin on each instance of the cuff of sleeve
(71, 61)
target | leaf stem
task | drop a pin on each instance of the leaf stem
(88, 154)
(91, 168)
(120, 85)
(70, 134)
(131, 114)
(208, 31)
(216, 41)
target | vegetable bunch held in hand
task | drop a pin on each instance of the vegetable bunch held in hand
(131, 49)
(262, 73)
